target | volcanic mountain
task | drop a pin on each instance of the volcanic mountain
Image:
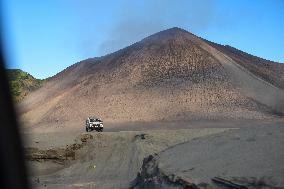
(171, 75)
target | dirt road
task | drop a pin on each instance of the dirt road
(253, 153)
(108, 160)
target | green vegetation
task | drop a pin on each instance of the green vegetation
(22, 83)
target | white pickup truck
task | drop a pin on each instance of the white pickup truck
(93, 123)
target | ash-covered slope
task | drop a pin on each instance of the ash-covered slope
(267, 70)
(171, 75)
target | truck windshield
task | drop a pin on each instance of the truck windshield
(93, 120)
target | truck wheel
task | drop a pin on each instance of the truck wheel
(87, 129)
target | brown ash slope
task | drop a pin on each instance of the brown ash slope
(267, 70)
(171, 75)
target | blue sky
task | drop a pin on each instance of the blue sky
(43, 37)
